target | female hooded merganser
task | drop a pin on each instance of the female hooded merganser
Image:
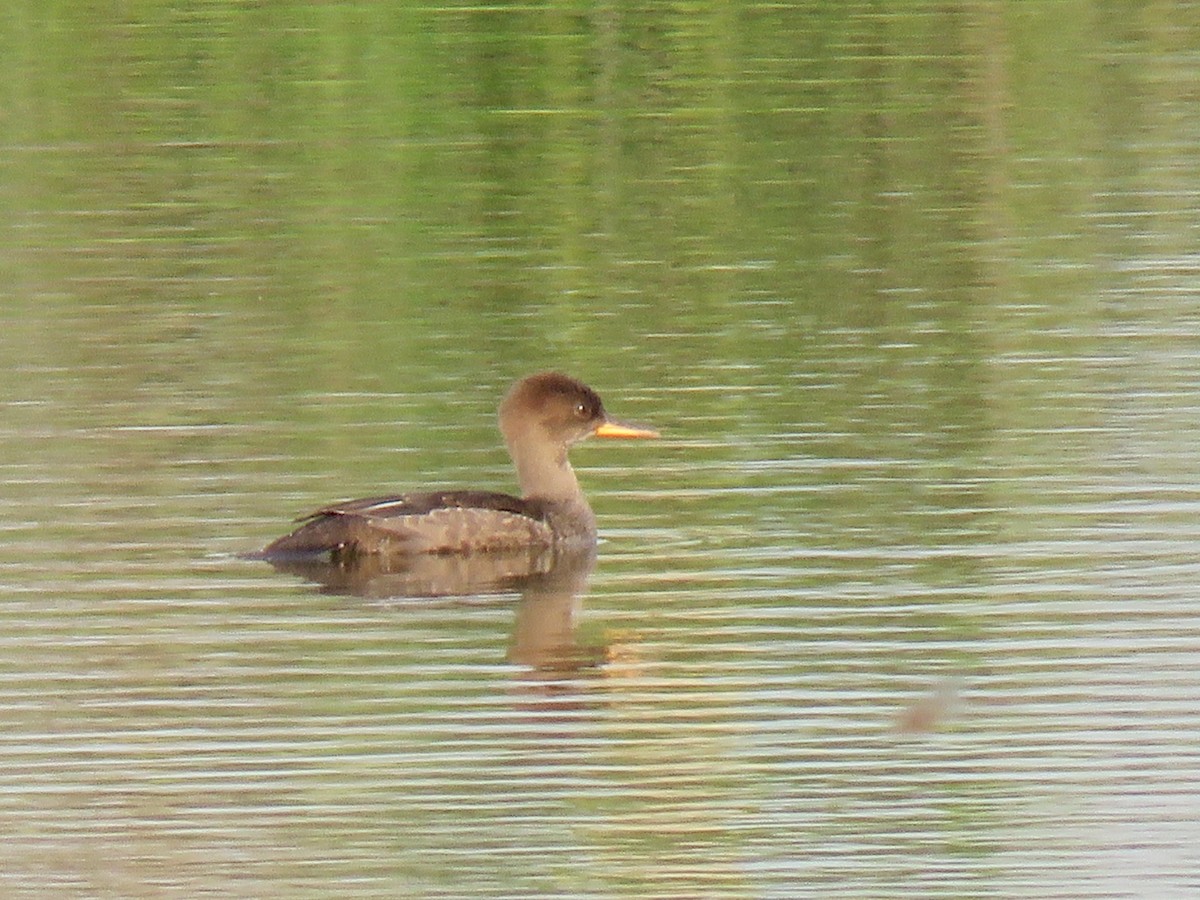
(540, 417)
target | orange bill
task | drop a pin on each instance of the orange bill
(611, 429)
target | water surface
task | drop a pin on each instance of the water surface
(903, 603)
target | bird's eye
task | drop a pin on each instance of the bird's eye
(581, 410)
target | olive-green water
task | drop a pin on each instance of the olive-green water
(906, 602)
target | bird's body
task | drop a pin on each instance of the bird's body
(432, 522)
(540, 417)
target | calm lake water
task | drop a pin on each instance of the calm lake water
(905, 601)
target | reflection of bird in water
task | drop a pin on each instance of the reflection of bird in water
(380, 576)
(540, 418)
(549, 580)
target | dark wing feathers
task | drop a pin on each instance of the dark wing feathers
(433, 522)
(421, 503)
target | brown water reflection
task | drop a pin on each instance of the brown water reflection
(548, 582)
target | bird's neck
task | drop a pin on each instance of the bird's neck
(545, 472)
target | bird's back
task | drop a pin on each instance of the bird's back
(428, 522)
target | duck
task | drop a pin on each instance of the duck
(540, 417)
